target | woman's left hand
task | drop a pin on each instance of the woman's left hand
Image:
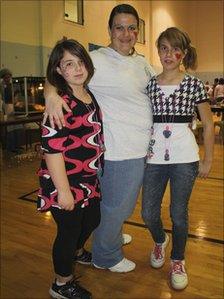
(204, 168)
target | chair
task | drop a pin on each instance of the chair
(199, 132)
(30, 130)
(220, 124)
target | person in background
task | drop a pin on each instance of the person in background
(211, 94)
(173, 151)
(6, 90)
(73, 156)
(14, 132)
(207, 86)
(119, 84)
(1, 105)
(219, 91)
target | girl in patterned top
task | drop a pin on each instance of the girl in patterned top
(73, 156)
(173, 151)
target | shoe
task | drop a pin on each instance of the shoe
(123, 266)
(178, 275)
(126, 239)
(85, 258)
(157, 258)
(70, 290)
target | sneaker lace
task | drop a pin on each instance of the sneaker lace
(86, 255)
(158, 251)
(177, 268)
(76, 287)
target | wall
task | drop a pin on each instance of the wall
(167, 14)
(20, 37)
(29, 29)
(27, 41)
(209, 39)
(203, 20)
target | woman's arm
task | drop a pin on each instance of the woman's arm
(56, 166)
(53, 106)
(208, 135)
(216, 92)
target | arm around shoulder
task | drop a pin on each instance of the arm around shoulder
(53, 106)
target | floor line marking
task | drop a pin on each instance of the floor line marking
(24, 197)
(170, 231)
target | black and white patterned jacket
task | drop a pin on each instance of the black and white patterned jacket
(181, 103)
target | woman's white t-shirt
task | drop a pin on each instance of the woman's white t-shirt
(119, 85)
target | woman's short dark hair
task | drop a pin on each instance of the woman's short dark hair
(74, 48)
(180, 39)
(123, 8)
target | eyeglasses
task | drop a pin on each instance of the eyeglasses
(71, 64)
(129, 28)
(172, 50)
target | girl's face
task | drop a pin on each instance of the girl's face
(170, 57)
(73, 70)
(124, 33)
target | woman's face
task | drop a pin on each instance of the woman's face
(124, 33)
(170, 57)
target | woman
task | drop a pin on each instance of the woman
(119, 85)
(173, 151)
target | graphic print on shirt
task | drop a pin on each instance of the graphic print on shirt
(80, 142)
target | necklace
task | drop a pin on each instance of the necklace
(100, 143)
(84, 96)
(150, 152)
(168, 121)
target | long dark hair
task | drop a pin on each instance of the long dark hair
(122, 8)
(180, 39)
(74, 48)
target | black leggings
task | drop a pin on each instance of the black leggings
(73, 229)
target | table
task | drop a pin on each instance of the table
(13, 120)
(16, 120)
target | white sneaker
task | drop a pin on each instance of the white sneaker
(126, 239)
(178, 275)
(157, 258)
(123, 266)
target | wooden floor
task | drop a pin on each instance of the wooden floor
(27, 236)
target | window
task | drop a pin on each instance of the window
(74, 11)
(141, 34)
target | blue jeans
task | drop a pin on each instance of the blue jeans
(120, 186)
(182, 177)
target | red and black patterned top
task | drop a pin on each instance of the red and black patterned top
(81, 143)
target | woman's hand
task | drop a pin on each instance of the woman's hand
(208, 136)
(204, 168)
(66, 200)
(54, 111)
